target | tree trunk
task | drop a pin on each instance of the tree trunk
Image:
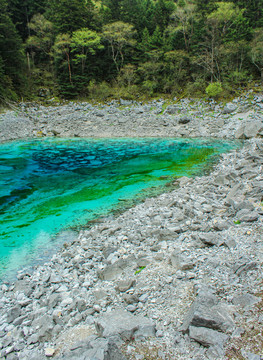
(69, 68)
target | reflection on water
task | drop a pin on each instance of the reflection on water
(50, 185)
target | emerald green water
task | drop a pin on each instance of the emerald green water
(50, 185)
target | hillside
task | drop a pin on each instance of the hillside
(130, 48)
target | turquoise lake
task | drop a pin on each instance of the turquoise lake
(49, 186)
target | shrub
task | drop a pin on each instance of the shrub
(99, 91)
(213, 90)
(196, 88)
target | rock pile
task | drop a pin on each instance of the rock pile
(179, 118)
(176, 277)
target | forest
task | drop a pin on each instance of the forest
(98, 49)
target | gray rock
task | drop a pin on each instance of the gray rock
(100, 294)
(207, 337)
(124, 285)
(13, 313)
(125, 325)
(245, 300)
(180, 263)
(131, 308)
(185, 119)
(209, 239)
(107, 250)
(230, 243)
(229, 108)
(220, 226)
(205, 312)
(97, 349)
(143, 298)
(43, 327)
(54, 299)
(249, 130)
(238, 332)
(142, 262)
(243, 265)
(112, 271)
(139, 110)
(171, 109)
(221, 180)
(25, 286)
(246, 215)
(130, 298)
(244, 205)
(19, 320)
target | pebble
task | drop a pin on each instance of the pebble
(199, 241)
(49, 352)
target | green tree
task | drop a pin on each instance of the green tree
(162, 11)
(84, 42)
(156, 40)
(21, 13)
(145, 44)
(151, 72)
(148, 10)
(205, 7)
(218, 24)
(114, 7)
(253, 11)
(184, 17)
(43, 37)
(119, 35)
(256, 51)
(70, 15)
(11, 53)
(177, 65)
(234, 62)
(135, 13)
(61, 49)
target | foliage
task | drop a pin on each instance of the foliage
(129, 48)
(213, 90)
(84, 42)
(139, 270)
(256, 52)
(119, 35)
(42, 40)
(12, 59)
(99, 91)
(70, 15)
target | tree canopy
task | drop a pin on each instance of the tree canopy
(129, 47)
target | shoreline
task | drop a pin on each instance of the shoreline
(177, 276)
(124, 204)
(239, 119)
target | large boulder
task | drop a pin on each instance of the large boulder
(125, 325)
(249, 130)
(95, 349)
(229, 108)
(171, 109)
(207, 312)
(207, 337)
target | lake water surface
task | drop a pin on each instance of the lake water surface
(48, 186)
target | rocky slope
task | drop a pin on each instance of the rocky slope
(176, 277)
(241, 118)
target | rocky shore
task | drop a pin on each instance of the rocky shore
(176, 277)
(242, 118)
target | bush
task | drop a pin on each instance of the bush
(131, 92)
(197, 88)
(99, 91)
(213, 90)
(149, 87)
